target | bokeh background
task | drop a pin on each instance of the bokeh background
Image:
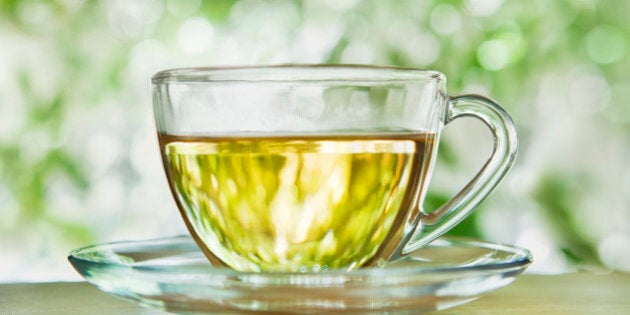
(79, 161)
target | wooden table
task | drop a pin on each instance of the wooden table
(577, 293)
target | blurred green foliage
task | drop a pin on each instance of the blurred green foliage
(559, 67)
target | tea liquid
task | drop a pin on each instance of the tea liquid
(296, 203)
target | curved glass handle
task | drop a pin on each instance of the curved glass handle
(455, 210)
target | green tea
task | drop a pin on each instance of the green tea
(296, 203)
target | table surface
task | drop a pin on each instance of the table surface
(575, 293)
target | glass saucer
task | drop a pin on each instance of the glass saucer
(173, 274)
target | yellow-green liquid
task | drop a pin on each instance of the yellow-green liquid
(296, 203)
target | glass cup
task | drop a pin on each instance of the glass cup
(308, 168)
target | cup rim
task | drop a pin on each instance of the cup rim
(295, 73)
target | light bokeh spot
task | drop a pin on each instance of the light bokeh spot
(614, 251)
(493, 54)
(195, 36)
(483, 7)
(445, 19)
(606, 44)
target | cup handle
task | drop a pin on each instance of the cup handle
(441, 220)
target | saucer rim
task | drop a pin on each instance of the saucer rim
(519, 259)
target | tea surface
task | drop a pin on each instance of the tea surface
(296, 203)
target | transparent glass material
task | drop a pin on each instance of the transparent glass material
(173, 274)
(291, 168)
(289, 100)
